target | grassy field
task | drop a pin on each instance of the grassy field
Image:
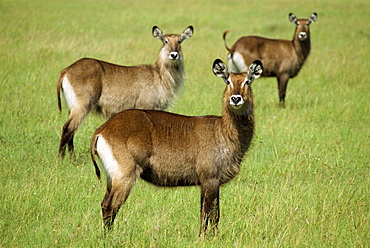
(305, 182)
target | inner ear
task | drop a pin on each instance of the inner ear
(157, 33)
(255, 69)
(220, 69)
(293, 18)
(186, 34)
(312, 19)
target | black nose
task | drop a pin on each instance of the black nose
(302, 35)
(174, 55)
(236, 99)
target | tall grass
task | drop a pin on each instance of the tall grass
(304, 182)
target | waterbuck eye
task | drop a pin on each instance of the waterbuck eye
(227, 81)
(166, 41)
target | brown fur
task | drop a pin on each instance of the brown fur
(168, 149)
(109, 88)
(280, 58)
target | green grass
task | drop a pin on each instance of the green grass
(304, 182)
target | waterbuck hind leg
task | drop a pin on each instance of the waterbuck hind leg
(71, 149)
(209, 210)
(118, 190)
(76, 116)
(108, 211)
(66, 139)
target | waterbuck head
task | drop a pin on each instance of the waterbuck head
(238, 93)
(171, 48)
(302, 30)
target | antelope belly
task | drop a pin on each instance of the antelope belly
(170, 178)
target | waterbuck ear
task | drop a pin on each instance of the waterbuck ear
(312, 18)
(188, 32)
(254, 71)
(157, 33)
(220, 69)
(293, 18)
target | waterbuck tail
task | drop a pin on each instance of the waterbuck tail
(93, 153)
(59, 86)
(224, 37)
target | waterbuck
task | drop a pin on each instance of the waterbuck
(168, 149)
(280, 58)
(90, 84)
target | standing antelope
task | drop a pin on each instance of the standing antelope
(280, 58)
(167, 149)
(90, 84)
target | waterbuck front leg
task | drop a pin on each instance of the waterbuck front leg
(282, 85)
(209, 210)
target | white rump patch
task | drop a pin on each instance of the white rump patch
(237, 64)
(68, 93)
(106, 156)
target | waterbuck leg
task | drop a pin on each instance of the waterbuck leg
(66, 138)
(71, 148)
(209, 211)
(118, 189)
(282, 86)
(75, 118)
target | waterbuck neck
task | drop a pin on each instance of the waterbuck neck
(237, 126)
(302, 47)
(236, 133)
(171, 72)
